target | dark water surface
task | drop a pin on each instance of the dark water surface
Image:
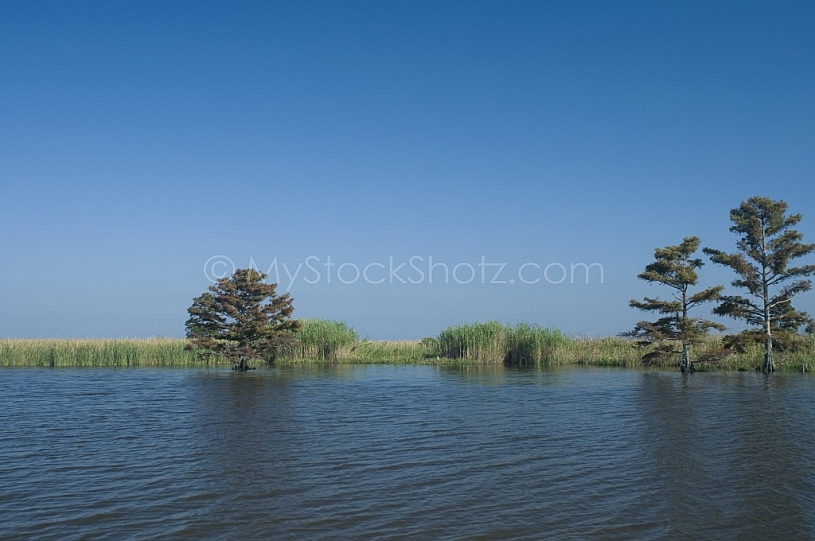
(405, 452)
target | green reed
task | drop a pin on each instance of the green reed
(322, 339)
(103, 352)
(532, 345)
(494, 342)
(490, 343)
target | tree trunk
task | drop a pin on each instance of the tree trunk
(685, 366)
(242, 365)
(769, 365)
(683, 325)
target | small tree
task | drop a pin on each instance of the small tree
(766, 247)
(674, 267)
(242, 318)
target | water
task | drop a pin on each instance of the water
(413, 452)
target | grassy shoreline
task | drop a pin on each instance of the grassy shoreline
(561, 351)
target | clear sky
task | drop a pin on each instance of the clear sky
(140, 139)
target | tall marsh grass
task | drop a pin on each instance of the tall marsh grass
(494, 342)
(106, 352)
(531, 345)
(322, 339)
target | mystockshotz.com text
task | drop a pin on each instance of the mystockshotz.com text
(413, 270)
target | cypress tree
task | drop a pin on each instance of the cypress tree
(767, 245)
(242, 318)
(675, 267)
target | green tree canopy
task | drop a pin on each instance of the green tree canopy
(675, 267)
(242, 318)
(767, 246)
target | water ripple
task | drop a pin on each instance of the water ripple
(405, 452)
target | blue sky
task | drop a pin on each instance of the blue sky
(141, 139)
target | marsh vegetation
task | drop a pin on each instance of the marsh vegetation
(494, 343)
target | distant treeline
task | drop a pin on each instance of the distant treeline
(325, 342)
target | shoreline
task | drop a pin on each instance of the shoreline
(173, 352)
